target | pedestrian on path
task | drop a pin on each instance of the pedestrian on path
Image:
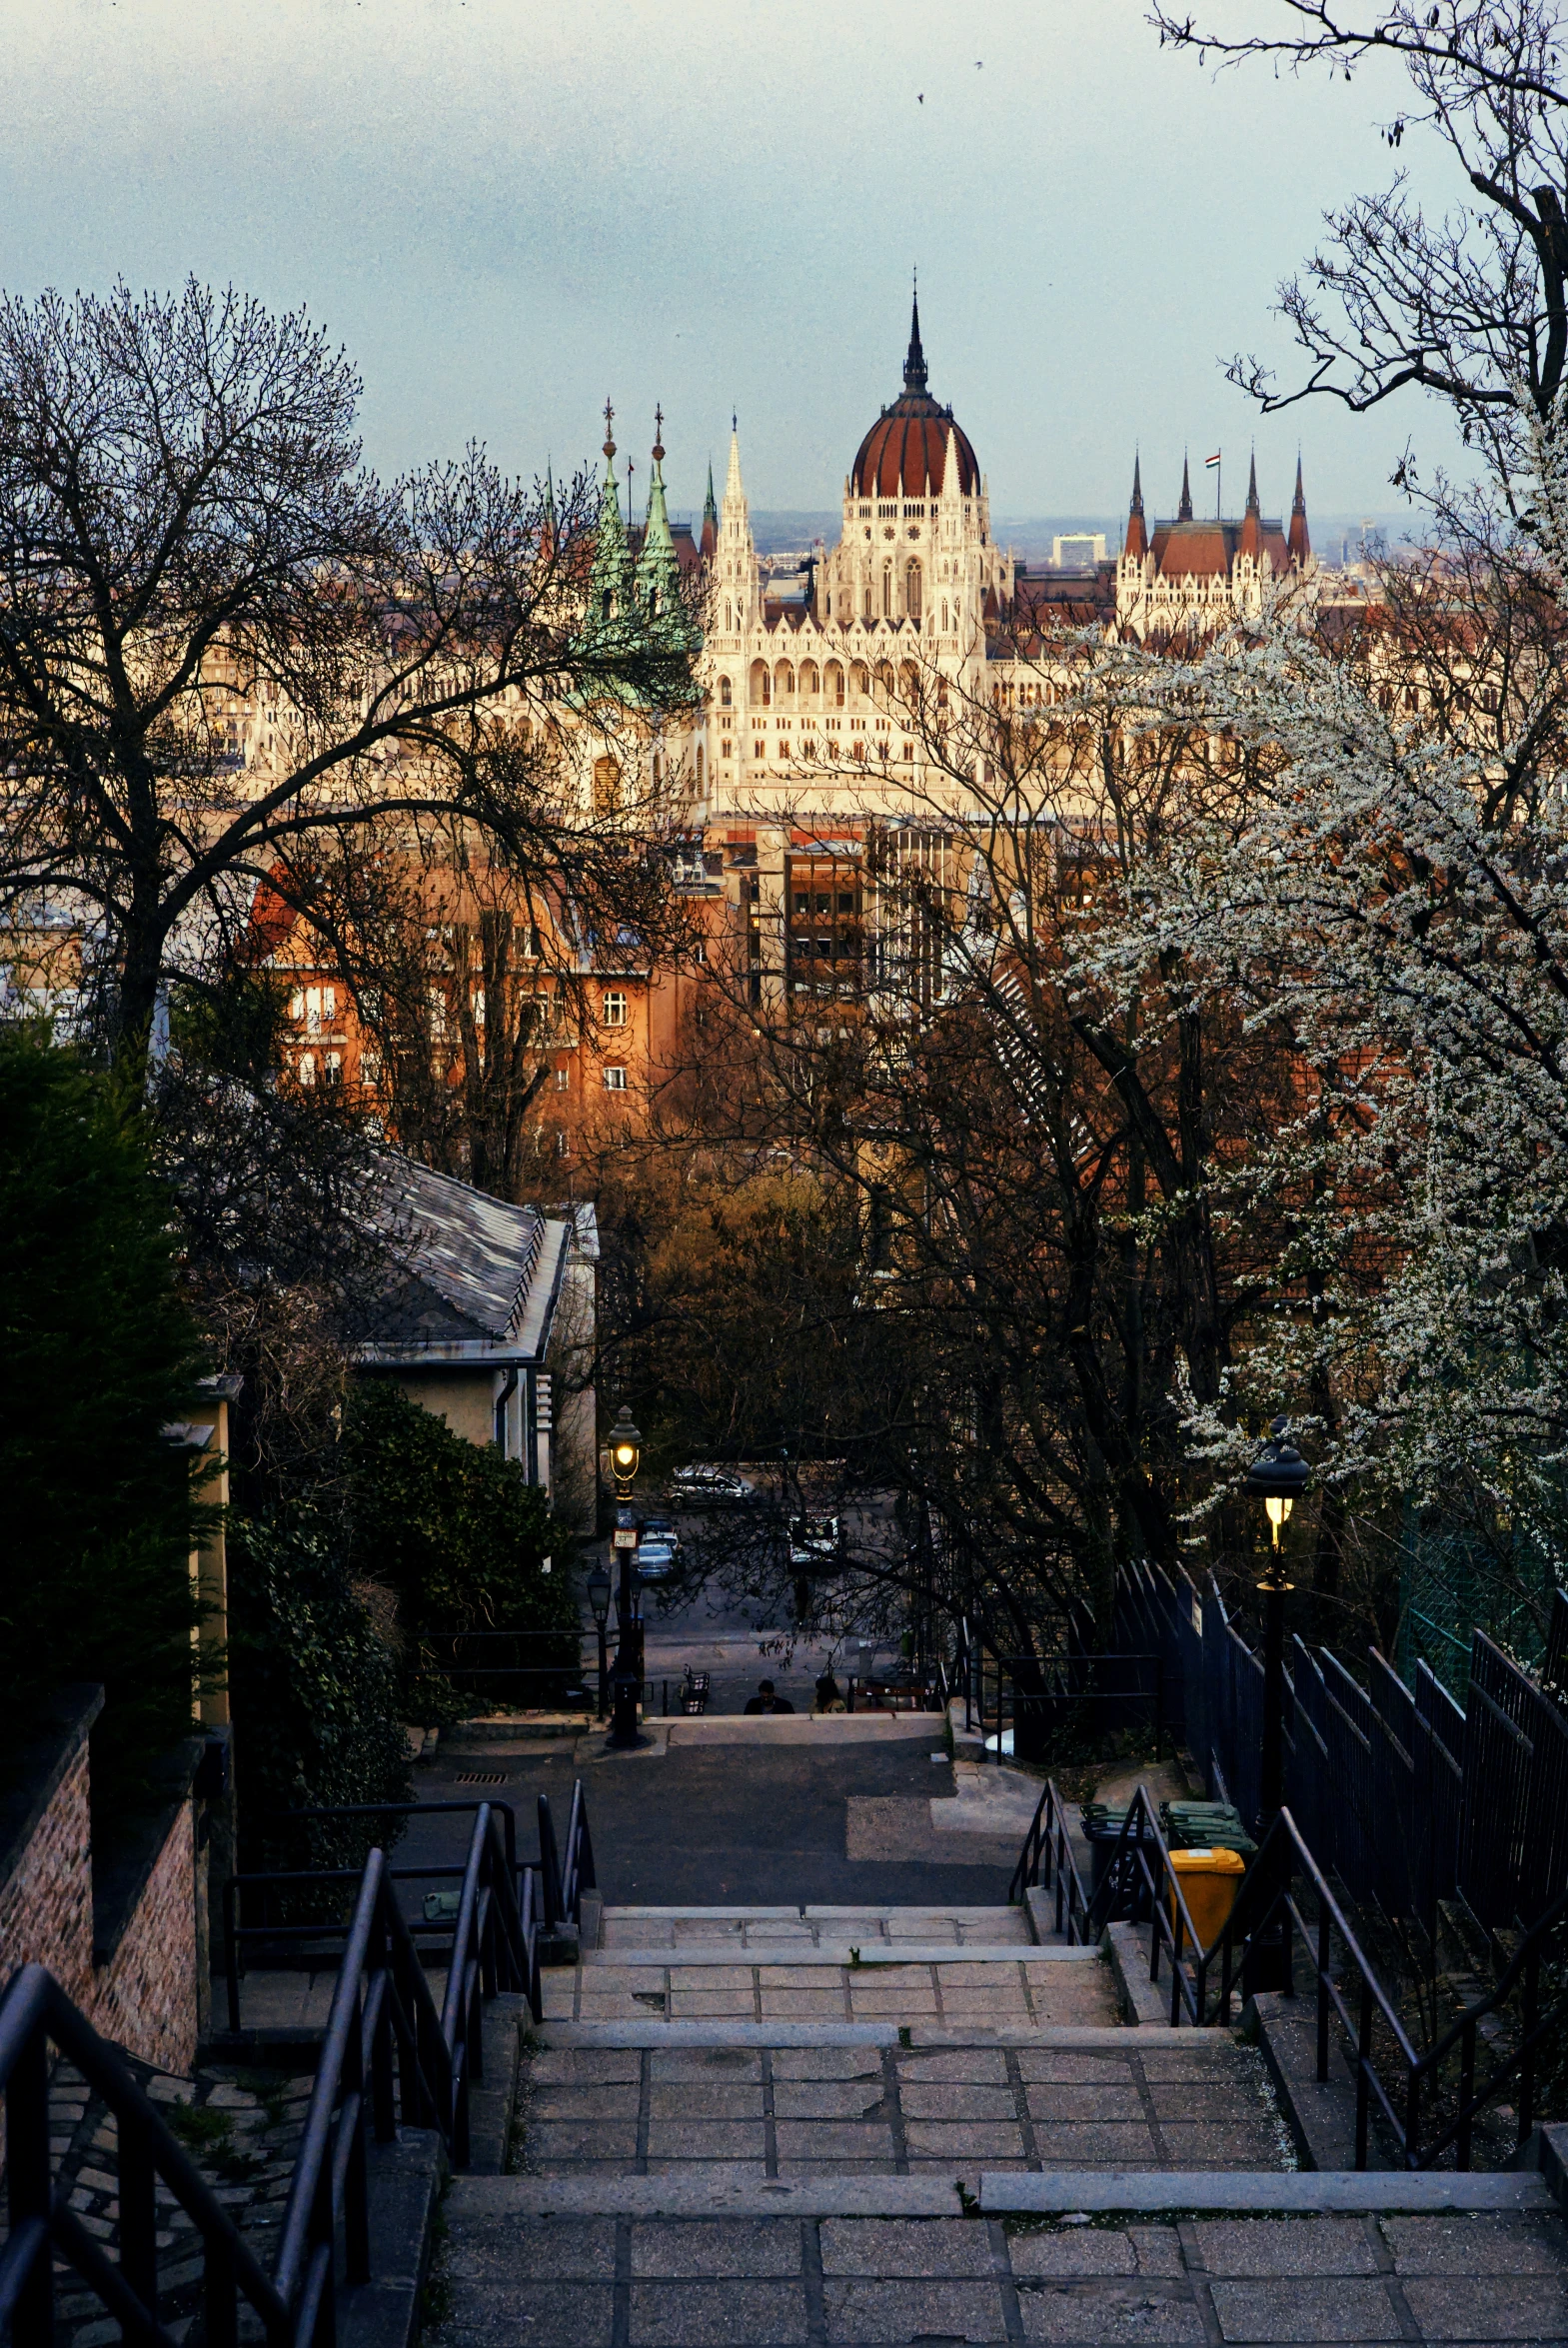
(765, 1699)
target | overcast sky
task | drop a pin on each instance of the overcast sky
(508, 208)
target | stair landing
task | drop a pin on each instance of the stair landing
(964, 1969)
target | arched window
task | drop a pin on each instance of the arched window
(912, 592)
(868, 599)
(809, 681)
(761, 684)
(700, 765)
(887, 591)
(725, 694)
(784, 681)
(832, 682)
(607, 787)
(944, 619)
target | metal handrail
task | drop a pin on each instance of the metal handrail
(564, 1882)
(1049, 1840)
(1159, 1887)
(35, 2012)
(1281, 1854)
(388, 2057)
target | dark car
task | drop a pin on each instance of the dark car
(654, 1560)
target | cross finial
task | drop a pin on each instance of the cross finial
(610, 417)
(658, 435)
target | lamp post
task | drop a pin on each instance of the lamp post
(626, 1451)
(1277, 1477)
(598, 1601)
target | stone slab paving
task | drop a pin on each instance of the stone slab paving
(756, 2112)
(651, 1928)
(851, 2282)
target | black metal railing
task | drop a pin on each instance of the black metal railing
(1049, 1700)
(35, 2015)
(564, 1880)
(1048, 1861)
(388, 2059)
(1404, 2084)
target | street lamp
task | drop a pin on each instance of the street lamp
(626, 1452)
(1277, 1477)
(598, 1601)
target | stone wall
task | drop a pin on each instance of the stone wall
(145, 1986)
(46, 1854)
(123, 1945)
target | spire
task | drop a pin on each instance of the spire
(1136, 545)
(710, 544)
(914, 364)
(1253, 524)
(1185, 510)
(1299, 543)
(733, 487)
(610, 581)
(548, 525)
(658, 569)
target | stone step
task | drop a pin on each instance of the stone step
(747, 2106)
(1063, 2193)
(848, 1954)
(802, 1927)
(853, 2263)
(926, 1982)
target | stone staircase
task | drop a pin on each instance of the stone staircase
(845, 2127)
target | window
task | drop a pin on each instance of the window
(615, 1010)
(758, 749)
(332, 1068)
(563, 1144)
(562, 1080)
(912, 591)
(699, 769)
(615, 1080)
(607, 787)
(479, 1007)
(887, 591)
(369, 1067)
(307, 1068)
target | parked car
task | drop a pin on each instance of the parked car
(712, 1487)
(654, 1559)
(662, 1528)
(815, 1545)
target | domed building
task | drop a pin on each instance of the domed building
(910, 586)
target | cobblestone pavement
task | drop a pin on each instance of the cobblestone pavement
(242, 2130)
(941, 2283)
(724, 2113)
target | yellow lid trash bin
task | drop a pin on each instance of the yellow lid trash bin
(1209, 1882)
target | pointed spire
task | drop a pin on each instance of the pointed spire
(1253, 524)
(1299, 541)
(610, 581)
(709, 543)
(548, 527)
(1185, 510)
(914, 364)
(1136, 544)
(733, 487)
(658, 567)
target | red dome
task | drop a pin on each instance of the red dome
(908, 441)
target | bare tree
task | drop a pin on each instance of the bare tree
(221, 636)
(1471, 307)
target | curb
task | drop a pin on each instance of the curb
(1292, 2192)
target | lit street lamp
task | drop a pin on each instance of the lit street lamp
(598, 1601)
(626, 1452)
(1277, 1477)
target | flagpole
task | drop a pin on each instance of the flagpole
(1219, 479)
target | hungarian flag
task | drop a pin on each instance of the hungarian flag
(1209, 463)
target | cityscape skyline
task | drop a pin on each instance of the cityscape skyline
(504, 223)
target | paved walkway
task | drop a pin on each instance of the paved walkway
(847, 2282)
(1092, 2099)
